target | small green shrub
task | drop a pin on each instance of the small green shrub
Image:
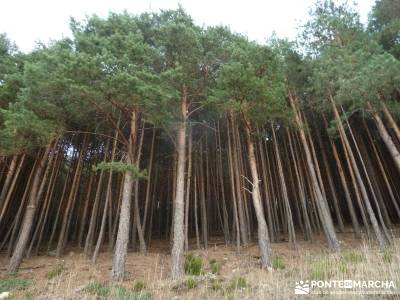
(139, 285)
(58, 269)
(12, 283)
(277, 263)
(215, 266)
(238, 283)
(216, 284)
(387, 256)
(342, 267)
(321, 269)
(193, 265)
(191, 283)
(97, 289)
(115, 292)
(353, 257)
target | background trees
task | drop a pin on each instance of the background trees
(144, 127)
(250, 88)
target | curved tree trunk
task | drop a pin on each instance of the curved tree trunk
(263, 238)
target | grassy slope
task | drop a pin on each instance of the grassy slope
(224, 275)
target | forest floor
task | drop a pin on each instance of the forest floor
(225, 275)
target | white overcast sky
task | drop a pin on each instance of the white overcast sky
(28, 21)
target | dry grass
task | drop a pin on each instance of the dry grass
(236, 277)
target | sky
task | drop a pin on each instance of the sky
(26, 21)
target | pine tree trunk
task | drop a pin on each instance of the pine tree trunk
(149, 181)
(372, 191)
(392, 122)
(188, 182)
(330, 181)
(203, 208)
(70, 204)
(196, 221)
(61, 201)
(322, 206)
(93, 219)
(238, 184)
(83, 217)
(137, 224)
(7, 181)
(10, 190)
(221, 185)
(232, 179)
(43, 209)
(307, 223)
(382, 169)
(29, 216)
(25, 197)
(179, 201)
(349, 151)
(106, 206)
(263, 239)
(386, 137)
(121, 244)
(288, 211)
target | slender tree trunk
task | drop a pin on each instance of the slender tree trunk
(137, 221)
(221, 185)
(232, 178)
(350, 206)
(288, 211)
(386, 137)
(25, 197)
(322, 206)
(29, 216)
(50, 196)
(263, 239)
(10, 190)
(392, 122)
(372, 191)
(7, 181)
(53, 230)
(43, 209)
(179, 201)
(93, 219)
(83, 217)
(370, 211)
(308, 229)
(121, 244)
(107, 201)
(238, 184)
(330, 180)
(383, 172)
(70, 204)
(149, 181)
(188, 182)
(203, 208)
(196, 221)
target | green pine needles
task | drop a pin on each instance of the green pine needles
(120, 167)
